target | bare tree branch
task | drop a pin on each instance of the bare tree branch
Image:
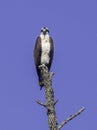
(41, 103)
(49, 94)
(56, 101)
(71, 117)
(50, 102)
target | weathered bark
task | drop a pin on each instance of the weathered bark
(50, 103)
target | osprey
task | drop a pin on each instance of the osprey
(43, 52)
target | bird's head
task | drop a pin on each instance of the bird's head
(44, 30)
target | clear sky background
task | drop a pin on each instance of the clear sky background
(73, 26)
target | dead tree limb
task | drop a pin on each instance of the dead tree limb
(41, 103)
(50, 102)
(49, 93)
(71, 117)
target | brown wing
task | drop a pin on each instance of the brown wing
(37, 59)
(51, 52)
(37, 51)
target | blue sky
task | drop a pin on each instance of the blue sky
(73, 27)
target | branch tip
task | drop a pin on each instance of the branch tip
(71, 117)
(40, 103)
(56, 101)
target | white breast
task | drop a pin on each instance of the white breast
(45, 51)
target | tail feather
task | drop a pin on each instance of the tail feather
(41, 83)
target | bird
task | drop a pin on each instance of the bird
(43, 52)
